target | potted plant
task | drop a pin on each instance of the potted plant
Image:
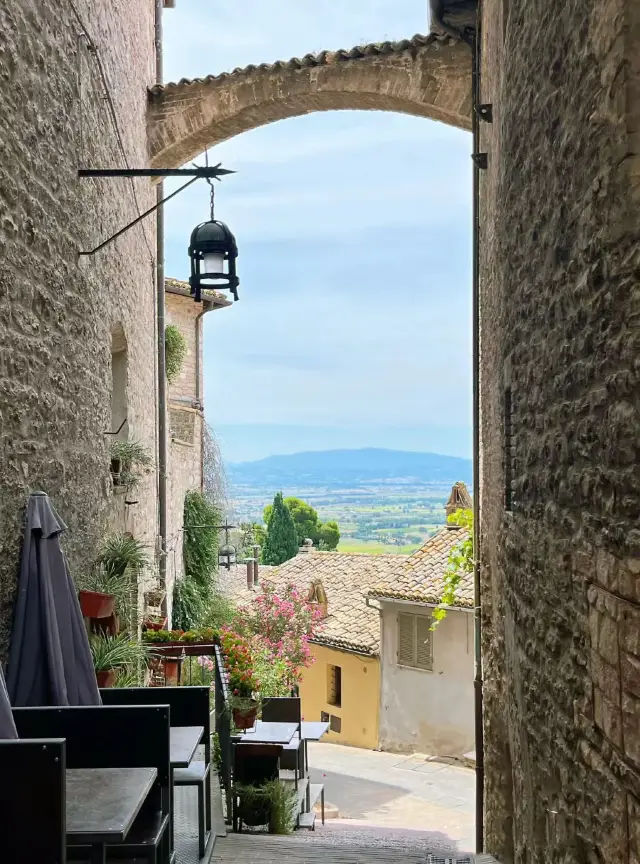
(271, 803)
(154, 623)
(129, 460)
(113, 654)
(244, 687)
(98, 593)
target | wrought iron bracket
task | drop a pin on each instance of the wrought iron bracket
(485, 112)
(481, 160)
(207, 172)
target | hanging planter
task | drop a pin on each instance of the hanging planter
(155, 625)
(96, 604)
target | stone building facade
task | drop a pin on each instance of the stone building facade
(185, 412)
(66, 102)
(560, 489)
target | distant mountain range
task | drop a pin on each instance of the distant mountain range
(347, 468)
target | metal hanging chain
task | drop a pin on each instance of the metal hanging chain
(212, 202)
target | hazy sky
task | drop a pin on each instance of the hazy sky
(354, 243)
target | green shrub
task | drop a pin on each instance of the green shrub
(175, 349)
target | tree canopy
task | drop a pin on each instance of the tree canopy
(281, 542)
(325, 535)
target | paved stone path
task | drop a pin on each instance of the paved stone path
(406, 796)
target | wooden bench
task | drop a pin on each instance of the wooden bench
(113, 737)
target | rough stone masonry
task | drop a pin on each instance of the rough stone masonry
(560, 487)
(73, 79)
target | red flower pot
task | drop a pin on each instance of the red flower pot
(245, 718)
(155, 625)
(95, 604)
(172, 669)
(106, 678)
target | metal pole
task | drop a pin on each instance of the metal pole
(162, 375)
(477, 684)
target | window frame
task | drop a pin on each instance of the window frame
(334, 685)
(415, 617)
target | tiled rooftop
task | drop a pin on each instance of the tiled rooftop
(346, 578)
(420, 577)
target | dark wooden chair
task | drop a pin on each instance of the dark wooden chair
(189, 707)
(32, 801)
(287, 709)
(253, 765)
(112, 737)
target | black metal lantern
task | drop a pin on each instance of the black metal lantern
(213, 251)
(227, 556)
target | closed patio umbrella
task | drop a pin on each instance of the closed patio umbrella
(49, 659)
(7, 726)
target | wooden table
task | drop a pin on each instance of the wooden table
(270, 733)
(184, 742)
(102, 804)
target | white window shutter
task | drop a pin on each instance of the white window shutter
(406, 639)
(424, 639)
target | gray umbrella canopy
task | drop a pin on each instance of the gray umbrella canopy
(7, 726)
(50, 659)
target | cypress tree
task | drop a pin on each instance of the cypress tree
(282, 540)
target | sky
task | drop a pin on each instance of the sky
(353, 327)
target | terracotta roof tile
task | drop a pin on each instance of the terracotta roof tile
(177, 286)
(346, 578)
(421, 576)
(323, 58)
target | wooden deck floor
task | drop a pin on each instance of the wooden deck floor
(264, 849)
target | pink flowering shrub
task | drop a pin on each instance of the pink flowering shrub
(283, 624)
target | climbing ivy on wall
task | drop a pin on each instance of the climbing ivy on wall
(175, 349)
(459, 564)
(193, 593)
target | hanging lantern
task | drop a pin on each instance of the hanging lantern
(227, 556)
(213, 252)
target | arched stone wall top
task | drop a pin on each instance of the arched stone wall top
(426, 76)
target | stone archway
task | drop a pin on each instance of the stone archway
(425, 76)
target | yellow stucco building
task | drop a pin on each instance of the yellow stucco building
(342, 686)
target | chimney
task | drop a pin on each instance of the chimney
(250, 570)
(256, 559)
(306, 547)
(458, 500)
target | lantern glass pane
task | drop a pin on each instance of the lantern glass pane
(213, 262)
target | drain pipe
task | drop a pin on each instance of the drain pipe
(479, 162)
(199, 392)
(160, 316)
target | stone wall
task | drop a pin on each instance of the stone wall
(560, 308)
(66, 82)
(185, 416)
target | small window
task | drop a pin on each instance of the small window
(335, 724)
(415, 641)
(509, 451)
(334, 685)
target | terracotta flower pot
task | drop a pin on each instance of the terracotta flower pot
(155, 625)
(172, 669)
(106, 678)
(95, 604)
(245, 718)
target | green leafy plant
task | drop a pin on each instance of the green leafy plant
(132, 459)
(189, 603)
(459, 564)
(115, 652)
(216, 752)
(121, 554)
(200, 544)
(277, 802)
(175, 350)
